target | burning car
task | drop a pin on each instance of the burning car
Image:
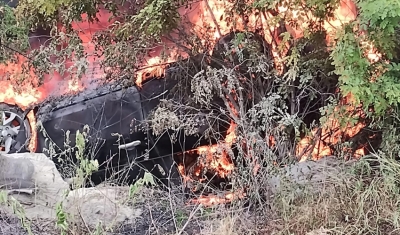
(116, 133)
(116, 119)
(115, 122)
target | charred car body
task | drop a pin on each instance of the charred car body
(118, 135)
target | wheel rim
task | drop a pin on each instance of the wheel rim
(11, 125)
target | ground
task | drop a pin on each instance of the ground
(328, 196)
(147, 211)
(153, 215)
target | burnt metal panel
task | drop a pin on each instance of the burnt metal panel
(108, 111)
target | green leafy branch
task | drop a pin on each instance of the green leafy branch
(372, 84)
(13, 34)
(154, 19)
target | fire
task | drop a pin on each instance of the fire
(32, 121)
(210, 16)
(231, 136)
(319, 143)
(86, 31)
(372, 54)
(74, 85)
(216, 157)
(21, 96)
(211, 200)
(155, 65)
(345, 13)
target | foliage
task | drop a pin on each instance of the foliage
(154, 19)
(381, 22)
(46, 13)
(373, 84)
(135, 188)
(62, 222)
(70, 60)
(76, 161)
(86, 166)
(13, 34)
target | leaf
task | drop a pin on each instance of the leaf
(148, 179)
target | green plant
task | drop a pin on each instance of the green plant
(62, 221)
(147, 179)
(154, 19)
(13, 34)
(372, 83)
(86, 166)
(18, 210)
(76, 161)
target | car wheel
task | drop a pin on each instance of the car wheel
(15, 130)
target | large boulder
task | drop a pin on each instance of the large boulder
(313, 175)
(40, 200)
(40, 187)
(16, 173)
(101, 206)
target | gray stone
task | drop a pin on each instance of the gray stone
(16, 173)
(48, 185)
(105, 205)
(313, 174)
(89, 206)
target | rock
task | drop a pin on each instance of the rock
(49, 187)
(16, 173)
(91, 205)
(310, 173)
(101, 204)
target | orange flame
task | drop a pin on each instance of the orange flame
(216, 156)
(211, 200)
(319, 143)
(21, 96)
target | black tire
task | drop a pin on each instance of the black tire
(21, 140)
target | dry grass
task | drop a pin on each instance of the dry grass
(356, 199)
(329, 197)
(365, 201)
